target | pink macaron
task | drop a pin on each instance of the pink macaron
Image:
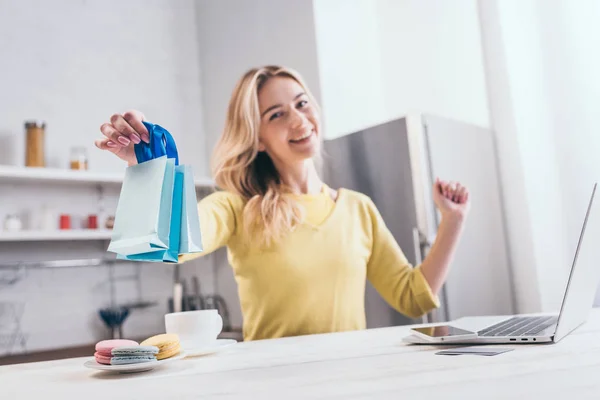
(104, 348)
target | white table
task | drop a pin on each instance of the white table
(363, 364)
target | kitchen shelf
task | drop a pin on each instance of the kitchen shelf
(40, 175)
(71, 234)
(69, 263)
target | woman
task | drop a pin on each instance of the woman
(301, 251)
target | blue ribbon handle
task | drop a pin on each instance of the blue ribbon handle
(161, 143)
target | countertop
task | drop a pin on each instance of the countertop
(370, 364)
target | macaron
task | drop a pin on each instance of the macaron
(104, 348)
(167, 343)
(133, 355)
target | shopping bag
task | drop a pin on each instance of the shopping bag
(191, 238)
(170, 252)
(148, 216)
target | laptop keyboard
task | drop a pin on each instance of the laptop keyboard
(519, 326)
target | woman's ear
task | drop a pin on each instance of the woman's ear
(261, 146)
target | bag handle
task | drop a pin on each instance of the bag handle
(161, 143)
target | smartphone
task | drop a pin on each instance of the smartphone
(443, 333)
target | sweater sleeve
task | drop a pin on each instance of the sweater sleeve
(219, 215)
(402, 286)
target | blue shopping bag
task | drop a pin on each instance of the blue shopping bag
(148, 217)
(191, 238)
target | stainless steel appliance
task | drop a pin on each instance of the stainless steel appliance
(396, 163)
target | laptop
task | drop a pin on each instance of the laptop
(577, 301)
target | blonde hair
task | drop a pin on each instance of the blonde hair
(237, 165)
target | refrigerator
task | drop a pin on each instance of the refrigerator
(395, 164)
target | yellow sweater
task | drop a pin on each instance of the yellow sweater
(314, 280)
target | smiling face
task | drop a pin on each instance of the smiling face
(289, 123)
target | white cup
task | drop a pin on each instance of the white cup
(194, 328)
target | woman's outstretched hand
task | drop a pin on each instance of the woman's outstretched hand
(451, 198)
(121, 133)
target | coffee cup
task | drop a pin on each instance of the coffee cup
(194, 328)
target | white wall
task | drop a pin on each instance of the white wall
(73, 63)
(572, 63)
(349, 60)
(541, 67)
(571, 32)
(382, 59)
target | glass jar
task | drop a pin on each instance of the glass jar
(79, 158)
(34, 147)
(12, 223)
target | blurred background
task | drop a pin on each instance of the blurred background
(498, 94)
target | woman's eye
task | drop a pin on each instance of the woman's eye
(275, 115)
(302, 103)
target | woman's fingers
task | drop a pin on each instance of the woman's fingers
(450, 187)
(112, 134)
(105, 144)
(127, 133)
(453, 191)
(122, 133)
(134, 119)
(461, 194)
(443, 188)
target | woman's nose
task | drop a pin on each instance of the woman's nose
(297, 119)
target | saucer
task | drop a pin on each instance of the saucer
(213, 347)
(139, 367)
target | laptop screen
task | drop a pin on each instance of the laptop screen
(585, 274)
